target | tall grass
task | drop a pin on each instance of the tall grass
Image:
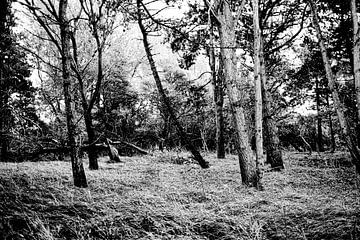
(167, 196)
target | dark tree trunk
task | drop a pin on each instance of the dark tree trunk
(218, 85)
(4, 118)
(184, 138)
(4, 149)
(92, 154)
(356, 60)
(319, 142)
(77, 165)
(165, 130)
(331, 129)
(271, 138)
(3, 137)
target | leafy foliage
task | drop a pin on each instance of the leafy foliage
(16, 91)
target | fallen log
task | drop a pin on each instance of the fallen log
(107, 146)
(140, 150)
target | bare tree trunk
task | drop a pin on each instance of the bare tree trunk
(220, 124)
(271, 138)
(93, 18)
(319, 140)
(350, 141)
(356, 55)
(331, 129)
(77, 165)
(92, 153)
(4, 128)
(228, 59)
(184, 138)
(258, 97)
(218, 85)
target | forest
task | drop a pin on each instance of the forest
(170, 119)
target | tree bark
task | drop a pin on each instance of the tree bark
(271, 138)
(77, 165)
(92, 153)
(350, 141)
(331, 129)
(113, 152)
(93, 19)
(258, 97)
(228, 59)
(218, 85)
(319, 141)
(356, 56)
(4, 128)
(184, 138)
(4, 89)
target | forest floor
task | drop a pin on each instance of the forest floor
(164, 196)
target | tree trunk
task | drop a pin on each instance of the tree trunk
(319, 140)
(356, 56)
(4, 149)
(92, 154)
(4, 141)
(77, 165)
(183, 136)
(228, 59)
(113, 152)
(4, 121)
(220, 124)
(350, 141)
(331, 129)
(271, 138)
(217, 80)
(258, 97)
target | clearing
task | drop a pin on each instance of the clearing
(164, 196)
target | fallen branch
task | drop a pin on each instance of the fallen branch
(140, 150)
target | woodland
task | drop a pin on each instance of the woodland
(169, 119)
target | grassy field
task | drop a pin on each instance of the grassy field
(164, 197)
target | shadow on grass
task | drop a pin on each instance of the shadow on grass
(314, 225)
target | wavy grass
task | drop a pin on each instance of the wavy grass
(167, 196)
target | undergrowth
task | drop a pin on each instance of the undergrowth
(167, 196)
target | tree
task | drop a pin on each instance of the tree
(191, 105)
(218, 85)
(100, 19)
(349, 139)
(277, 37)
(356, 54)
(309, 84)
(258, 95)
(278, 33)
(60, 38)
(14, 83)
(77, 165)
(221, 11)
(185, 140)
(190, 44)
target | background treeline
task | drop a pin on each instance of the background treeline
(92, 65)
